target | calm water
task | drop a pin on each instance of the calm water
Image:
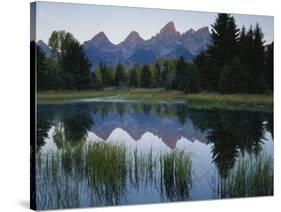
(116, 153)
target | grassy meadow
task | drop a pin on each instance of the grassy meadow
(200, 100)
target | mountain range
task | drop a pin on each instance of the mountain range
(168, 43)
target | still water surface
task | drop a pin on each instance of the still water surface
(116, 153)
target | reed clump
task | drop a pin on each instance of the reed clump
(251, 177)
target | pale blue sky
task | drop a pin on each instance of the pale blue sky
(84, 21)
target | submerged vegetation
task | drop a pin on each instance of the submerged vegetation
(251, 177)
(76, 170)
(176, 169)
(104, 171)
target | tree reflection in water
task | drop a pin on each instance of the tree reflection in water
(80, 175)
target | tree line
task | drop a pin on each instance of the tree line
(235, 61)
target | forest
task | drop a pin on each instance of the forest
(235, 61)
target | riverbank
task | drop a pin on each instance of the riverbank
(200, 100)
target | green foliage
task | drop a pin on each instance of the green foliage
(168, 73)
(59, 41)
(107, 75)
(97, 78)
(269, 66)
(186, 76)
(251, 177)
(177, 185)
(233, 78)
(257, 78)
(133, 76)
(223, 48)
(157, 73)
(235, 61)
(120, 76)
(146, 77)
(75, 67)
(181, 74)
(47, 72)
(192, 84)
(107, 170)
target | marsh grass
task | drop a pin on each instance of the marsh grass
(200, 100)
(101, 173)
(106, 170)
(251, 177)
(176, 174)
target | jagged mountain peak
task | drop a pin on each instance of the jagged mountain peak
(170, 27)
(191, 31)
(134, 37)
(169, 31)
(44, 47)
(204, 30)
(135, 50)
(41, 42)
(100, 37)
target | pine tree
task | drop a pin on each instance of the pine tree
(48, 77)
(223, 48)
(181, 74)
(76, 67)
(243, 45)
(258, 64)
(233, 78)
(120, 77)
(157, 73)
(192, 83)
(201, 61)
(269, 67)
(248, 59)
(41, 70)
(133, 77)
(106, 74)
(168, 73)
(97, 78)
(146, 77)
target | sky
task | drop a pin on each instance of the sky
(84, 21)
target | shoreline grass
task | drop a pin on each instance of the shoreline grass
(106, 172)
(251, 178)
(200, 100)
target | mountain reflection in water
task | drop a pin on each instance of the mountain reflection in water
(215, 139)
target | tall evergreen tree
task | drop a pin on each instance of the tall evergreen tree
(157, 73)
(201, 63)
(133, 77)
(233, 77)
(258, 78)
(168, 73)
(120, 76)
(223, 47)
(97, 78)
(48, 77)
(269, 67)
(106, 74)
(248, 58)
(243, 45)
(76, 67)
(192, 83)
(146, 76)
(181, 74)
(41, 69)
